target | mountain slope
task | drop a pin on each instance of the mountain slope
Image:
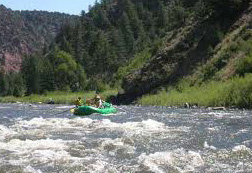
(24, 32)
(187, 50)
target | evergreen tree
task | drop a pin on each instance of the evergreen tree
(81, 82)
(19, 86)
(118, 42)
(30, 70)
(162, 21)
(128, 34)
(63, 40)
(3, 84)
(47, 79)
(10, 80)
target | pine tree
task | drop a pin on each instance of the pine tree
(19, 86)
(30, 70)
(118, 42)
(81, 82)
(3, 84)
(162, 21)
(47, 76)
(128, 34)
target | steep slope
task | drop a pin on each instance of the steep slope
(186, 50)
(24, 32)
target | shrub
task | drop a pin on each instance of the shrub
(234, 92)
(244, 65)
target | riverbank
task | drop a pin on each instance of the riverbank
(58, 97)
(236, 92)
(232, 93)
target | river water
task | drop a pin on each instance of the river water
(40, 138)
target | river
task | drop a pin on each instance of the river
(40, 138)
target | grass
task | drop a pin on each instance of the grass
(57, 96)
(234, 92)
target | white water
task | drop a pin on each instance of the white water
(153, 139)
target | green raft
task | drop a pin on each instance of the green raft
(88, 110)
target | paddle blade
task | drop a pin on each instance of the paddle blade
(72, 110)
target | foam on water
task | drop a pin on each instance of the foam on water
(4, 107)
(117, 147)
(64, 107)
(241, 148)
(209, 146)
(45, 151)
(177, 160)
(5, 132)
(141, 140)
(26, 146)
(30, 169)
(219, 114)
(55, 123)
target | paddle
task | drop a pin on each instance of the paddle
(64, 111)
(120, 108)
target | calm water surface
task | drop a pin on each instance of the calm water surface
(34, 138)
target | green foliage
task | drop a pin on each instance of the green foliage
(226, 9)
(244, 65)
(98, 85)
(19, 87)
(65, 70)
(234, 92)
(47, 78)
(108, 37)
(113, 40)
(55, 71)
(201, 9)
(4, 85)
(232, 58)
(82, 81)
(137, 62)
(31, 71)
(237, 93)
(12, 84)
(177, 14)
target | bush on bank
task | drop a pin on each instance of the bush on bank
(235, 92)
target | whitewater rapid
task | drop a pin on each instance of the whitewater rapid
(37, 138)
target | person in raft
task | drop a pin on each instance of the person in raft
(78, 102)
(98, 102)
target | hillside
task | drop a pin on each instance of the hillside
(194, 55)
(25, 32)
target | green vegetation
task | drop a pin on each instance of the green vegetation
(98, 49)
(137, 62)
(58, 97)
(140, 46)
(225, 80)
(233, 92)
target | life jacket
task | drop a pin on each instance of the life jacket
(78, 102)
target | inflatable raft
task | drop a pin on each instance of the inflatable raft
(88, 110)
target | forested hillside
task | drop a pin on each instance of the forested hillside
(189, 47)
(112, 34)
(143, 47)
(25, 32)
